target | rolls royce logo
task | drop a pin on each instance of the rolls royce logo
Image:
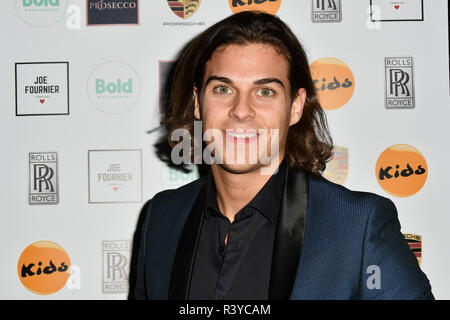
(43, 173)
(326, 11)
(399, 89)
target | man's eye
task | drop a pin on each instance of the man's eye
(222, 89)
(265, 92)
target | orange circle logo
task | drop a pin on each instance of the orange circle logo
(43, 267)
(334, 82)
(268, 6)
(401, 170)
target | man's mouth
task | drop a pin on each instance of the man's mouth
(241, 135)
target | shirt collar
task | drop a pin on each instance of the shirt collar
(267, 200)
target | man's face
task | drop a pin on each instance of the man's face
(246, 94)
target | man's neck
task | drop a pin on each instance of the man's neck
(235, 191)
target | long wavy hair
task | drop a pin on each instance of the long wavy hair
(309, 144)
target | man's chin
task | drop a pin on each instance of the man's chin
(240, 168)
(243, 168)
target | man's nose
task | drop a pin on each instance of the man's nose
(242, 108)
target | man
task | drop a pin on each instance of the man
(264, 229)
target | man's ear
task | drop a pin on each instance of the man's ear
(297, 106)
(196, 104)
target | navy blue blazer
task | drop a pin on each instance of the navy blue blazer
(330, 243)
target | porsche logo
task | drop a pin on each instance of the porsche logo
(184, 8)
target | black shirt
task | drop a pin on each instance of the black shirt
(240, 269)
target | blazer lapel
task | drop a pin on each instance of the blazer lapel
(187, 247)
(289, 234)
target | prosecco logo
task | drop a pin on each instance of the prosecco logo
(112, 12)
(401, 170)
(114, 87)
(165, 68)
(334, 82)
(268, 6)
(43, 267)
(40, 13)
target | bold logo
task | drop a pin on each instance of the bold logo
(165, 67)
(401, 170)
(337, 168)
(268, 6)
(399, 89)
(326, 11)
(115, 176)
(43, 267)
(114, 87)
(415, 244)
(42, 88)
(184, 8)
(40, 13)
(116, 266)
(334, 82)
(43, 174)
(399, 10)
(172, 178)
(104, 12)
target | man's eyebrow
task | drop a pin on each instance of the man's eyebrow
(269, 80)
(257, 82)
(217, 78)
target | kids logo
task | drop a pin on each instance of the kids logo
(401, 170)
(337, 168)
(268, 6)
(334, 82)
(44, 267)
(184, 8)
(40, 13)
(113, 87)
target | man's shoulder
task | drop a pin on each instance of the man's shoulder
(339, 197)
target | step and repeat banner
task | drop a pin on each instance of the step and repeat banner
(82, 97)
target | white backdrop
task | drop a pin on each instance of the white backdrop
(92, 133)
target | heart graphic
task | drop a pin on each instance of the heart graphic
(396, 7)
(42, 100)
(115, 188)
